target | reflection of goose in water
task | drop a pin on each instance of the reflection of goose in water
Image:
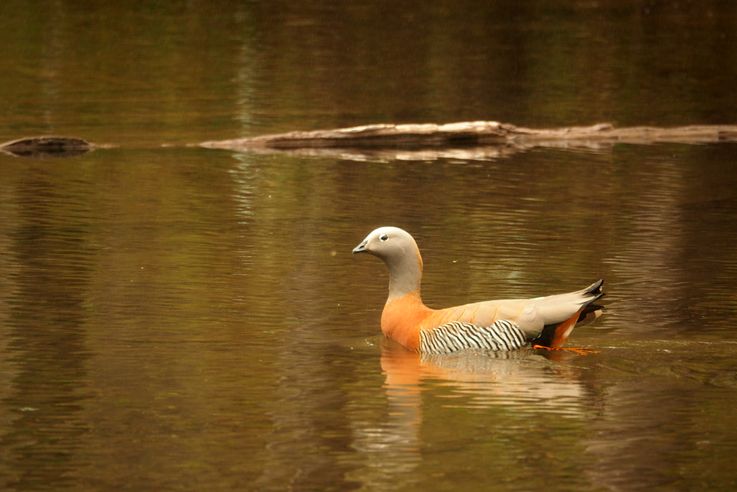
(521, 378)
(527, 382)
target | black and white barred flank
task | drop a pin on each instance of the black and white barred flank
(455, 336)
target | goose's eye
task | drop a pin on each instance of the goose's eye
(383, 237)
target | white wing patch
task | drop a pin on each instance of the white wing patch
(454, 336)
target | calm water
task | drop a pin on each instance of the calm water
(175, 318)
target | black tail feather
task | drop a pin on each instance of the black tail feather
(596, 289)
(590, 312)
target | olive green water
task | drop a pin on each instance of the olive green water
(175, 318)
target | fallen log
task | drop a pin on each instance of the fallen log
(474, 134)
(46, 146)
(464, 140)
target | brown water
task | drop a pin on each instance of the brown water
(175, 318)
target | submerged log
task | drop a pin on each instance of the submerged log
(474, 134)
(46, 146)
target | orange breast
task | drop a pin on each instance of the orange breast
(402, 318)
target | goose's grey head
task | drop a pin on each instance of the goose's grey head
(398, 249)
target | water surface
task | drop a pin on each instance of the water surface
(175, 318)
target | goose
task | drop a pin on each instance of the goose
(505, 324)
